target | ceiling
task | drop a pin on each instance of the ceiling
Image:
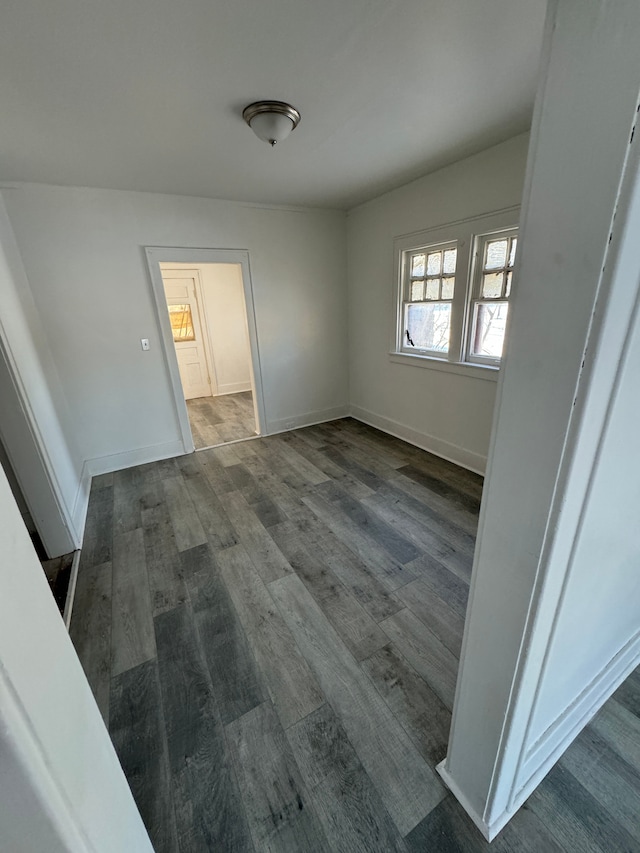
(148, 95)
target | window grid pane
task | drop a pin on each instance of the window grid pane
(489, 325)
(499, 258)
(432, 275)
(428, 326)
(181, 323)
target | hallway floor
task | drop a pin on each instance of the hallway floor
(218, 420)
(272, 631)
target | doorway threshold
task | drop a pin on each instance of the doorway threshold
(228, 443)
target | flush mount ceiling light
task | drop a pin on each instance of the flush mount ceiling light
(271, 121)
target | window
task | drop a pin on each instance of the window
(181, 323)
(453, 293)
(495, 257)
(428, 299)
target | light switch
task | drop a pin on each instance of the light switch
(144, 343)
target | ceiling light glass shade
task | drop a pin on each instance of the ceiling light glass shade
(271, 121)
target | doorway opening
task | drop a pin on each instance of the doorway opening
(205, 308)
(209, 326)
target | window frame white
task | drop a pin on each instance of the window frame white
(463, 234)
(406, 284)
(476, 297)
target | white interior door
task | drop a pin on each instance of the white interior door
(181, 292)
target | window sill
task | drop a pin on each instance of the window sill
(475, 371)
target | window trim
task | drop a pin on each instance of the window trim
(405, 288)
(463, 233)
(475, 297)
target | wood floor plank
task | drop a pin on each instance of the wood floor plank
(99, 481)
(132, 635)
(280, 811)
(392, 452)
(407, 786)
(207, 802)
(421, 537)
(98, 532)
(620, 728)
(462, 518)
(369, 591)
(448, 829)
(449, 473)
(164, 570)
(442, 582)
(217, 527)
(349, 806)
(306, 469)
(370, 521)
(245, 482)
(90, 630)
(424, 651)
(423, 715)
(355, 469)
(267, 558)
(440, 619)
(221, 418)
(321, 461)
(453, 534)
(137, 730)
(215, 473)
(387, 569)
(575, 818)
(628, 694)
(287, 676)
(126, 500)
(440, 487)
(226, 456)
(288, 501)
(184, 518)
(236, 680)
(607, 777)
(358, 630)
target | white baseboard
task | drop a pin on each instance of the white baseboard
(233, 388)
(129, 458)
(80, 505)
(308, 419)
(71, 591)
(438, 446)
(464, 802)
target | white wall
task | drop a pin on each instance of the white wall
(224, 319)
(83, 253)
(35, 423)
(14, 485)
(448, 413)
(554, 597)
(61, 786)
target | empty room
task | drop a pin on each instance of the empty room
(319, 343)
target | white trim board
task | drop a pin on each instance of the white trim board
(130, 458)
(308, 419)
(233, 388)
(441, 769)
(156, 255)
(439, 447)
(81, 503)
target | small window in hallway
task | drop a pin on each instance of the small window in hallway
(181, 323)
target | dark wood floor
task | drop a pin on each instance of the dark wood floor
(218, 420)
(272, 630)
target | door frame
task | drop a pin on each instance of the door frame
(180, 255)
